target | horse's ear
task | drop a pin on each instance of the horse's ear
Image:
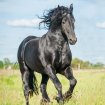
(71, 8)
(58, 7)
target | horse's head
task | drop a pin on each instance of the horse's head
(61, 17)
(67, 25)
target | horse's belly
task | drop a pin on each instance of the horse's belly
(34, 64)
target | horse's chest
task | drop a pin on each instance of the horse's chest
(62, 59)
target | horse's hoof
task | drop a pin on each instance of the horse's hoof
(44, 101)
(67, 96)
(59, 100)
(36, 92)
(30, 93)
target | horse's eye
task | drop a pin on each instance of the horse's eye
(63, 22)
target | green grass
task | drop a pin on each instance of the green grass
(90, 89)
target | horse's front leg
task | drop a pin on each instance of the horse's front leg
(52, 74)
(45, 98)
(68, 73)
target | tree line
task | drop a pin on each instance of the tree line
(76, 64)
(80, 64)
(7, 64)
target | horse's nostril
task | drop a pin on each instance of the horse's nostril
(71, 40)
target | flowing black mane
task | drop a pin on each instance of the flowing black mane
(54, 17)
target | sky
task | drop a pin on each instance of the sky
(18, 19)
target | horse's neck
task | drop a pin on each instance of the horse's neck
(57, 37)
(58, 40)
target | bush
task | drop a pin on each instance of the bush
(1, 65)
(15, 66)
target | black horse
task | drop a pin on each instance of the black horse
(49, 55)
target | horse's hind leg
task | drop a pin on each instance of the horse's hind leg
(25, 78)
(43, 89)
(26, 86)
(69, 75)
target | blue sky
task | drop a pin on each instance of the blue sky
(18, 20)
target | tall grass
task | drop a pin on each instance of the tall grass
(90, 89)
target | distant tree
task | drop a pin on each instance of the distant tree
(99, 65)
(1, 65)
(76, 62)
(80, 64)
(7, 62)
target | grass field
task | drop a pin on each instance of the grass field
(90, 89)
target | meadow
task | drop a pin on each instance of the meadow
(90, 89)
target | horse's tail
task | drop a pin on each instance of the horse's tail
(33, 85)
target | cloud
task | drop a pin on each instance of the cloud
(100, 25)
(24, 23)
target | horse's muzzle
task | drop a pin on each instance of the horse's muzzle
(73, 41)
